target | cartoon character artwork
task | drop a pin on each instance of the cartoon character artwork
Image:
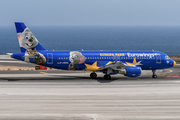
(75, 58)
(28, 41)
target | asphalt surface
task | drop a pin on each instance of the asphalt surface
(73, 95)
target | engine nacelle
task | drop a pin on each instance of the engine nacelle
(131, 71)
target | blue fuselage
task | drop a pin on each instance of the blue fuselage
(150, 60)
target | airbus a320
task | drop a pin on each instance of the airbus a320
(128, 63)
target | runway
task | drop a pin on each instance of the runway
(69, 95)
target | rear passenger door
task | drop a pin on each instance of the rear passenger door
(49, 58)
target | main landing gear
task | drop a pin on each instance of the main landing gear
(93, 75)
(154, 74)
(107, 77)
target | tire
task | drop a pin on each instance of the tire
(93, 75)
(154, 76)
(107, 77)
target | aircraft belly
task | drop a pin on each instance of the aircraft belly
(66, 67)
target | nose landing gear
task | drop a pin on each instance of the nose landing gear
(154, 74)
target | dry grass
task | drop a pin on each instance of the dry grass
(175, 57)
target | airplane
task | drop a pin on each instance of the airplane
(128, 63)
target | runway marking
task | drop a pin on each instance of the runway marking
(13, 61)
(174, 76)
(44, 72)
(165, 75)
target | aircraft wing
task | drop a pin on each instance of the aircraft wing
(114, 66)
(118, 65)
(110, 66)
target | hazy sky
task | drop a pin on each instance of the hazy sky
(90, 12)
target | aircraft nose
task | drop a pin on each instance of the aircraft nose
(174, 64)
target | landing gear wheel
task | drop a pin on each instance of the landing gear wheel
(154, 76)
(93, 75)
(107, 77)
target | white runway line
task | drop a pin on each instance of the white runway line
(13, 61)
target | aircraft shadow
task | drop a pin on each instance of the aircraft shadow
(83, 78)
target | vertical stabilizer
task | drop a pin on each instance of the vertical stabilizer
(27, 41)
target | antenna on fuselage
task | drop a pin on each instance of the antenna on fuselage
(152, 50)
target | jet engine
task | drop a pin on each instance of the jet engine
(131, 71)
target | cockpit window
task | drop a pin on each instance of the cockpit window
(167, 57)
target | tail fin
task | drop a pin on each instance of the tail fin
(27, 41)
